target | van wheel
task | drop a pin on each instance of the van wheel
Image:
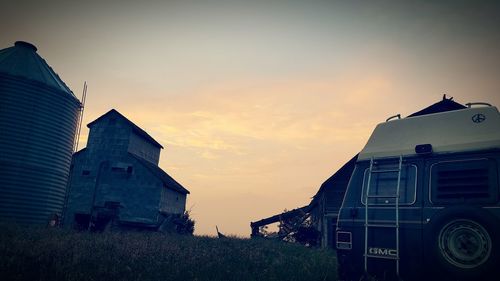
(463, 243)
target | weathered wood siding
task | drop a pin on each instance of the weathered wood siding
(144, 149)
(172, 202)
(107, 138)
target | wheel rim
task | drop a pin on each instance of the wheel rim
(465, 243)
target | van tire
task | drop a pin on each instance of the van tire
(463, 243)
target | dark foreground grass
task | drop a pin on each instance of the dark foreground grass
(54, 254)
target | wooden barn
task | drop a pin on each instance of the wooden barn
(321, 214)
(115, 181)
(325, 205)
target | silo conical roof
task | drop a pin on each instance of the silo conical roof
(23, 61)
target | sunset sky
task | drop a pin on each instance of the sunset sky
(258, 102)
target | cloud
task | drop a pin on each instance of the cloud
(225, 117)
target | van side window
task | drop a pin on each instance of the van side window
(385, 184)
(464, 181)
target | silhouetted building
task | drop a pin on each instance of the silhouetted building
(38, 118)
(325, 206)
(116, 180)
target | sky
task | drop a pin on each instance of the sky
(257, 103)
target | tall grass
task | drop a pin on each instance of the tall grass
(55, 254)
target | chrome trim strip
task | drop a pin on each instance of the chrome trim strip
(387, 221)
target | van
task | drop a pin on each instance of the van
(423, 200)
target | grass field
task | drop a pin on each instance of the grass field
(55, 254)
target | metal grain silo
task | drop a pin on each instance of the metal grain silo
(38, 117)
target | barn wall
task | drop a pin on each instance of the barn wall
(172, 202)
(137, 191)
(108, 137)
(120, 179)
(334, 195)
(324, 216)
(80, 188)
(144, 149)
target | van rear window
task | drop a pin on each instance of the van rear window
(471, 181)
(385, 184)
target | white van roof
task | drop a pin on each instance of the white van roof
(452, 131)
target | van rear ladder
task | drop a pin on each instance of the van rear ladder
(368, 205)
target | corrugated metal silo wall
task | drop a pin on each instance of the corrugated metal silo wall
(37, 130)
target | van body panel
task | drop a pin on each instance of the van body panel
(457, 189)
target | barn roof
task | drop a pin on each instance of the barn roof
(341, 176)
(167, 180)
(135, 128)
(441, 106)
(21, 60)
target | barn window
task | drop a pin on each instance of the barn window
(118, 169)
(464, 181)
(385, 184)
(122, 167)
